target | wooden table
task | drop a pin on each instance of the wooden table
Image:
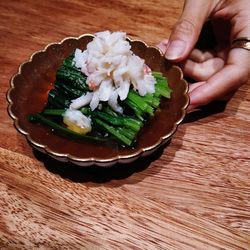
(192, 194)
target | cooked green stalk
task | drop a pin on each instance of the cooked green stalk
(157, 74)
(107, 109)
(57, 100)
(152, 100)
(161, 86)
(162, 91)
(68, 90)
(138, 112)
(140, 102)
(55, 112)
(69, 62)
(119, 121)
(72, 77)
(115, 132)
(86, 111)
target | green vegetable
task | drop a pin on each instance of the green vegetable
(69, 62)
(72, 77)
(68, 90)
(57, 100)
(115, 132)
(56, 112)
(161, 86)
(119, 120)
(140, 103)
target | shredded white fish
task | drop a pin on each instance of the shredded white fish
(81, 101)
(111, 68)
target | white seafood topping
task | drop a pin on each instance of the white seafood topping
(77, 121)
(111, 68)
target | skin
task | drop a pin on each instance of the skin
(219, 71)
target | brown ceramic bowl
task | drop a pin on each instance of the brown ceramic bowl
(28, 94)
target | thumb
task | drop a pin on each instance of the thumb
(187, 30)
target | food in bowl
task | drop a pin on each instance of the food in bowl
(105, 92)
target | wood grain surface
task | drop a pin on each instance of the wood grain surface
(192, 194)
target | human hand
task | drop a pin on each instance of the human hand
(221, 71)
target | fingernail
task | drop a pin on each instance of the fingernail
(175, 49)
